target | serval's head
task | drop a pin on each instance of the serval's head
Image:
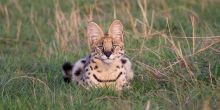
(106, 46)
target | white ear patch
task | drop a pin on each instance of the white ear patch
(116, 29)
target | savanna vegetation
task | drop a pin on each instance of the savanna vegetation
(174, 46)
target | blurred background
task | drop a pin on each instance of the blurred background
(174, 46)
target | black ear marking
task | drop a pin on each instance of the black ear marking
(78, 72)
(123, 61)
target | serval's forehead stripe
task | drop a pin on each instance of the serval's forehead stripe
(107, 44)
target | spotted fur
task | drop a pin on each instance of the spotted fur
(107, 65)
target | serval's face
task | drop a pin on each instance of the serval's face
(106, 47)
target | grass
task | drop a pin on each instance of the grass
(173, 45)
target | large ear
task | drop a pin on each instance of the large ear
(116, 30)
(94, 33)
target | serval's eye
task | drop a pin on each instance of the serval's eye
(114, 46)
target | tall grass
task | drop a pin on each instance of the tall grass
(173, 46)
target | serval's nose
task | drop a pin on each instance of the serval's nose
(108, 53)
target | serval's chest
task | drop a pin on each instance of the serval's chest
(101, 72)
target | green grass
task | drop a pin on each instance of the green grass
(165, 40)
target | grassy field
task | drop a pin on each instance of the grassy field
(174, 46)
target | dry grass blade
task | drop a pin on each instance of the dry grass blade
(67, 29)
(155, 72)
(33, 20)
(178, 53)
(148, 105)
(208, 44)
